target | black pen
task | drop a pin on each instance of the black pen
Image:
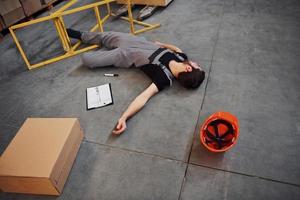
(111, 74)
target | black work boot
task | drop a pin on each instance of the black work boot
(146, 12)
(122, 11)
(74, 34)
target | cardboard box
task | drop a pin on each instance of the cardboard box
(39, 158)
(147, 2)
(31, 6)
(11, 11)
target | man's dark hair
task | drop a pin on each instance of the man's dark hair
(191, 79)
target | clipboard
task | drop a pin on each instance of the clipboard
(99, 96)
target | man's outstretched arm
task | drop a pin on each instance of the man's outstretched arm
(136, 105)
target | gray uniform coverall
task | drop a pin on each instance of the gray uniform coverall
(124, 50)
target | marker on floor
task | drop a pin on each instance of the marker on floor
(111, 75)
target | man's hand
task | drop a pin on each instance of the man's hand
(137, 104)
(120, 127)
(194, 65)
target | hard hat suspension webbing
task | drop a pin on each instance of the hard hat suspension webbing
(216, 137)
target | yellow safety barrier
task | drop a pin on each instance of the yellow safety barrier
(57, 18)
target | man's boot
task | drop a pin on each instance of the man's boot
(122, 10)
(146, 12)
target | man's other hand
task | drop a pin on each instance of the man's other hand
(120, 127)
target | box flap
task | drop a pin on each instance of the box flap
(34, 150)
(7, 6)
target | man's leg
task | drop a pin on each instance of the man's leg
(110, 40)
(100, 58)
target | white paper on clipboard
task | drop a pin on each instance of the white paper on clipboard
(99, 96)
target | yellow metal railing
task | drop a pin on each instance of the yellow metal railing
(57, 18)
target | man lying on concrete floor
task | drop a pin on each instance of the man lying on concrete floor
(161, 62)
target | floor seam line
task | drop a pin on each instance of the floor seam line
(134, 151)
(244, 174)
(204, 94)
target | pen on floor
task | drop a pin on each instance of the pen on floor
(111, 74)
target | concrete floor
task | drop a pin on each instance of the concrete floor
(250, 50)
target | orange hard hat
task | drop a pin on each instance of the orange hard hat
(219, 132)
